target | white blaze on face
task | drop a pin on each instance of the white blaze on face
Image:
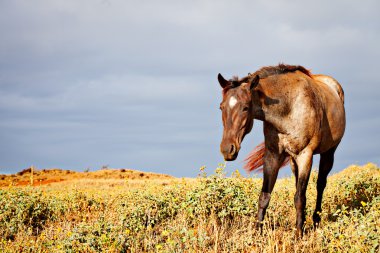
(232, 102)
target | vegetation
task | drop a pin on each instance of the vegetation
(208, 214)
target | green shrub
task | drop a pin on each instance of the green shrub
(24, 210)
(226, 198)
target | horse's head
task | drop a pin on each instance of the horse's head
(237, 113)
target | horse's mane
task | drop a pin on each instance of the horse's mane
(265, 72)
(280, 69)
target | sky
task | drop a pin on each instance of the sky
(133, 84)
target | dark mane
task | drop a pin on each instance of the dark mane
(280, 69)
(266, 72)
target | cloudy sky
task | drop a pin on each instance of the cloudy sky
(132, 84)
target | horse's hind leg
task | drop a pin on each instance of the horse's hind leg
(325, 165)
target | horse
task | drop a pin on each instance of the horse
(303, 115)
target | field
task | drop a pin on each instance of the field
(131, 211)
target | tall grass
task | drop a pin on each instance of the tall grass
(210, 214)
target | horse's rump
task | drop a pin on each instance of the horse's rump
(332, 83)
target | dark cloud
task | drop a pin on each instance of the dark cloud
(133, 84)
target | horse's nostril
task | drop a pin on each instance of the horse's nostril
(232, 149)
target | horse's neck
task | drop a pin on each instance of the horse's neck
(272, 110)
(278, 122)
(258, 112)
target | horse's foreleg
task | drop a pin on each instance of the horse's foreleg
(304, 161)
(294, 167)
(325, 165)
(272, 163)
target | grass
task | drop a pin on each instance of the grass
(209, 214)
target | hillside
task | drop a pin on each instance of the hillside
(49, 176)
(212, 213)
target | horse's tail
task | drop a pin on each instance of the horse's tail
(255, 160)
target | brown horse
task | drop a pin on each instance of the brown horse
(303, 115)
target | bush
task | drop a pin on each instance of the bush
(24, 210)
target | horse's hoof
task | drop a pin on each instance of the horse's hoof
(316, 219)
(259, 227)
(299, 233)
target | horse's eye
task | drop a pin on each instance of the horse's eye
(245, 109)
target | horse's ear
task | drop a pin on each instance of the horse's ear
(255, 81)
(223, 82)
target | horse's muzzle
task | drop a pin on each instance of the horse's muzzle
(229, 151)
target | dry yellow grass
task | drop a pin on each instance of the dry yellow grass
(208, 214)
